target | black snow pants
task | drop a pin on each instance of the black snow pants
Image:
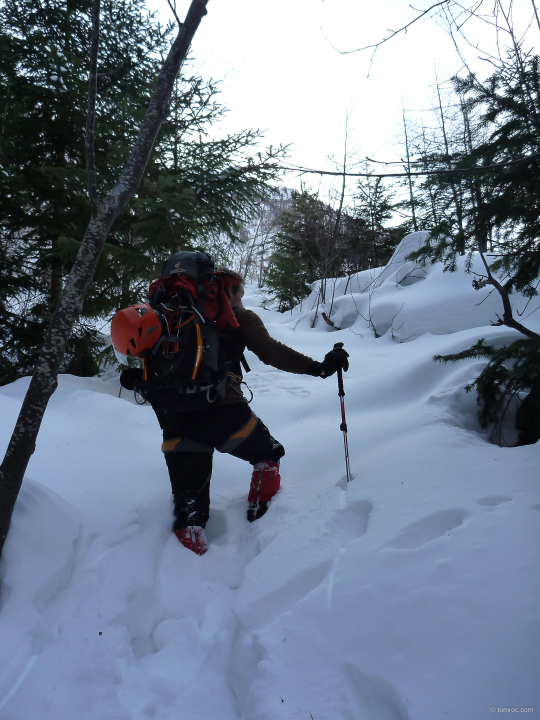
(189, 443)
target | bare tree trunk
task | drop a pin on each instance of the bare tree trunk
(458, 202)
(45, 378)
(434, 213)
(413, 210)
(340, 209)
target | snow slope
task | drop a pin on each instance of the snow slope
(412, 593)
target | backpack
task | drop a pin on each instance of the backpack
(189, 367)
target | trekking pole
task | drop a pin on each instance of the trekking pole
(343, 426)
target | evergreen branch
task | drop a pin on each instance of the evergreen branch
(477, 351)
(157, 111)
(91, 114)
(115, 72)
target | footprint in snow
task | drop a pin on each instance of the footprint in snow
(217, 527)
(370, 696)
(266, 384)
(351, 522)
(294, 390)
(493, 500)
(426, 529)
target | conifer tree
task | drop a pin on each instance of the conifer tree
(373, 240)
(304, 249)
(500, 214)
(193, 188)
(44, 50)
(104, 210)
(315, 242)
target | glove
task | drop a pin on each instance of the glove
(334, 360)
(130, 377)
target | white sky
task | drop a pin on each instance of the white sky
(281, 75)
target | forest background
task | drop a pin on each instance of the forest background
(469, 175)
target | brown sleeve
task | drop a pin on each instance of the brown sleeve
(257, 339)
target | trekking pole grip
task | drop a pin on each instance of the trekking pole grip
(341, 391)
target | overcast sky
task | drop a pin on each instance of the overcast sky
(281, 74)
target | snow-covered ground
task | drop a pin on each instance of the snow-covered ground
(413, 592)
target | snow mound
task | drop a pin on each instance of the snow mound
(405, 300)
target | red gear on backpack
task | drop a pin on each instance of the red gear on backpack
(135, 330)
(217, 307)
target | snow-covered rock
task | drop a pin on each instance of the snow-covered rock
(406, 300)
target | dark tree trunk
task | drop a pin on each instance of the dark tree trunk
(411, 195)
(528, 418)
(45, 378)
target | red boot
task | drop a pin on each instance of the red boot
(193, 538)
(264, 485)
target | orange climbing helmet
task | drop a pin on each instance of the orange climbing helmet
(135, 330)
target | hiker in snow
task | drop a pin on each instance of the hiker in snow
(195, 424)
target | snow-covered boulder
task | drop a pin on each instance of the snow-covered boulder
(405, 272)
(407, 300)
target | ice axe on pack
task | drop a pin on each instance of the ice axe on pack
(343, 426)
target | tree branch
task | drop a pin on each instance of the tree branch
(508, 318)
(394, 33)
(425, 173)
(172, 5)
(158, 109)
(91, 113)
(536, 14)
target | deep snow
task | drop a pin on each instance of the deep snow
(410, 593)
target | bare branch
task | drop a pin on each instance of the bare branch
(328, 321)
(507, 319)
(536, 14)
(454, 171)
(528, 303)
(172, 5)
(393, 34)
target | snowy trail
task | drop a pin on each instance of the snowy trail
(119, 596)
(410, 594)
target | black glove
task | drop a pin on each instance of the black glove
(334, 360)
(130, 377)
